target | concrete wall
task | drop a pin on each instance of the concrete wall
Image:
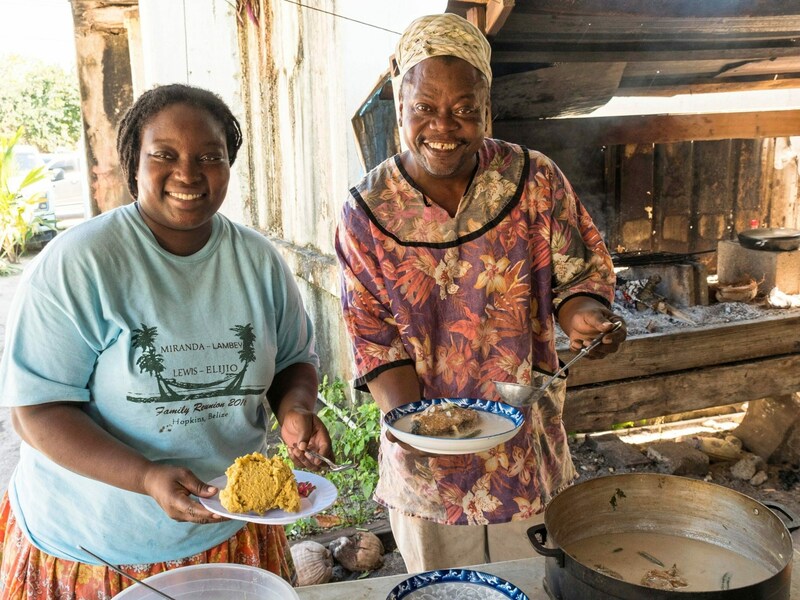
(306, 73)
(294, 76)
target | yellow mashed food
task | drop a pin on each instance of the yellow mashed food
(258, 484)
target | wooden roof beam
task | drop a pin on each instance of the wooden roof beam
(487, 15)
(628, 88)
(530, 53)
(666, 8)
(647, 129)
(497, 12)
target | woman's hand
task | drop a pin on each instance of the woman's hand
(65, 433)
(583, 319)
(293, 396)
(301, 429)
(171, 487)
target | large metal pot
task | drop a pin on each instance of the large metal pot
(604, 538)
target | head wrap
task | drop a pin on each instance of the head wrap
(443, 35)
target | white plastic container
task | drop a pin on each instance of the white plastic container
(216, 581)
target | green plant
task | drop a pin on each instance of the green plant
(623, 425)
(355, 433)
(637, 423)
(18, 222)
(43, 98)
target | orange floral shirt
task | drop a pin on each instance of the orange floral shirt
(468, 300)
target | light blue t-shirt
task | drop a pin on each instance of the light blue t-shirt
(170, 354)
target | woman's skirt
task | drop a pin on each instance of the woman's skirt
(27, 573)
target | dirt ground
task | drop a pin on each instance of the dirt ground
(782, 486)
(9, 442)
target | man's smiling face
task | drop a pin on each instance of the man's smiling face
(444, 112)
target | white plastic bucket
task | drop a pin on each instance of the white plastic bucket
(215, 581)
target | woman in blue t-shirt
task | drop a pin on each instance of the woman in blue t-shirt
(143, 350)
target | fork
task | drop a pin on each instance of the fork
(332, 466)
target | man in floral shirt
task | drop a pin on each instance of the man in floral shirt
(458, 257)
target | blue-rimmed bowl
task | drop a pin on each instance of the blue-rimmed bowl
(499, 422)
(461, 584)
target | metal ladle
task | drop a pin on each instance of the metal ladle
(520, 395)
(124, 574)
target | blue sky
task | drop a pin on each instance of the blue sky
(38, 28)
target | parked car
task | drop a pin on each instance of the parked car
(27, 158)
(68, 200)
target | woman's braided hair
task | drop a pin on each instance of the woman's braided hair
(129, 135)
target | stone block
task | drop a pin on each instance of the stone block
(678, 459)
(616, 453)
(636, 233)
(788, 453)
(768, 425)
(771, 268)
(747, 467)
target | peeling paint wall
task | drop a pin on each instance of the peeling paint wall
(297, 135)
(305, 74)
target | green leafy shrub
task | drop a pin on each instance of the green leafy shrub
(355, 434)
(18, 223)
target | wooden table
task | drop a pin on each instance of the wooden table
(527, 574)
(691, 369)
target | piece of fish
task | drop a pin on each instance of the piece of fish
(664, 580)
(445, 419)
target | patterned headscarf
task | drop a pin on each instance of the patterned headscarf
(443, 35)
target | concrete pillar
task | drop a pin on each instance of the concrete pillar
(134, 29)
(104, 74)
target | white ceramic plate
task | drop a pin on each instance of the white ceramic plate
(499, 423)
(463, 584)
(321, 498)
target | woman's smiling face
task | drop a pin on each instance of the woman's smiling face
(183, 176)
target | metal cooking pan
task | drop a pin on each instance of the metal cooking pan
(770, 238)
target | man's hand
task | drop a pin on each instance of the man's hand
(407, 448)
(583, 319)
(394, 388)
